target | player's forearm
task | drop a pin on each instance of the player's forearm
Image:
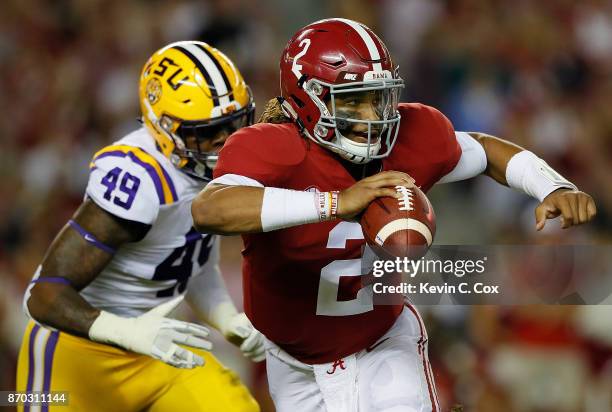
(76, 257)
(228, 210)
(513, 166)
(207, 294)
(61, 307)
(499, 152)
(209, 298)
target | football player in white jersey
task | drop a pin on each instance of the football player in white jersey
(100, 298)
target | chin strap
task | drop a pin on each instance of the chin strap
(290, 112)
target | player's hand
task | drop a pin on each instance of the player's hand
(574, 206)
(155, 335)
(241, 333)
(356, 198)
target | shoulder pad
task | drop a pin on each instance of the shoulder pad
(130, 183)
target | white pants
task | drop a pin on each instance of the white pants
(393, 375)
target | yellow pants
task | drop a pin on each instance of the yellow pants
(100, 378)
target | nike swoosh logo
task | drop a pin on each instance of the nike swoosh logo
(377, 344)
(89, 238)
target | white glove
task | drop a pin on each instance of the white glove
(154, 335)
(237, 329)
(252, 345)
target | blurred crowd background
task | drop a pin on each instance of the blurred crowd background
(538, 73)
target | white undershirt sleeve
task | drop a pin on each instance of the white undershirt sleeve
(473, 160)
(235, 180)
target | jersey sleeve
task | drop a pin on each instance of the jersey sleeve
(129, 183)
(448, 150)
(427, 147)
(266, 153)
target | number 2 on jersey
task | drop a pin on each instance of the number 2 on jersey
(329, 282)
(127, 187)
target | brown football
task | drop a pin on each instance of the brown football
(402, 227)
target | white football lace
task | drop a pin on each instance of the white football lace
(405, 201)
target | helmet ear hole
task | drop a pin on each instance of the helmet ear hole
(302, 80)
(298, 101)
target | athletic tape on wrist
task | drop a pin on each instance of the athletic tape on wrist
(532, 175)
(283, 208)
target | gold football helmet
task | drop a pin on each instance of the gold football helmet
(190, 92)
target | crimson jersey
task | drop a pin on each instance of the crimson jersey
(299, 282)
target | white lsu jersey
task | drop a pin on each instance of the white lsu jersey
(133, 180)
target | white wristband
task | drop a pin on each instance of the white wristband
(532, 175)
(283, 208)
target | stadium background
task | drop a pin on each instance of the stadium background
(535, 72)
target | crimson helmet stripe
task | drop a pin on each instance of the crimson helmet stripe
(368, 40)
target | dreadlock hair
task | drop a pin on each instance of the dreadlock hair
(273, 113)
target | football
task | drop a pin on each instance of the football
(403, 227)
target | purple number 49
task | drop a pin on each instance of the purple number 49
(127, 187)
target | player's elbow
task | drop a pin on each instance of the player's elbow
(228, 210)
(208, 216)
(38, 304)
(204, 219)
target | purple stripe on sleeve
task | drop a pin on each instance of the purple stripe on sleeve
(91, 238)
(52, 279)
(49, 352)
(153, 173)
(170, 184)
(33, 334)
(150, 170)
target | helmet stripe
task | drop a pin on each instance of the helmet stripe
(211, 86)
(213, 71)
(228, 85)
(368, 40)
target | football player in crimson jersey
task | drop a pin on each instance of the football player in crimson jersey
(293, 184)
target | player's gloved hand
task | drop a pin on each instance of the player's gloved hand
(153, 334)
(356, 198)
(239, 331)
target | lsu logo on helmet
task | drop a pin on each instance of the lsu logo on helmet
(190, 90)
